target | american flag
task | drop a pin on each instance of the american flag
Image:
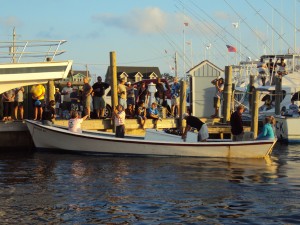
(231, 48)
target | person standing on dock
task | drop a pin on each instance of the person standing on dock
(122, 93)
(38, 100)
(236, 123)
(175, 91)
(219, 84)
(192, 121)
(8, 102)
(119, 117)
(99, 91)
(18, 105)
(86, 97)
(66, 91)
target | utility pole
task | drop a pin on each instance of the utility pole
(176, 66)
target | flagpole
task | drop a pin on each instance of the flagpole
(184, 50)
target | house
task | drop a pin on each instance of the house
(75, 77)
(201, 90)
(134, 73)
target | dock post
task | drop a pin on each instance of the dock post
(50, 86)
(278, 94)
(251, 90)
(227, 94)
(182, 101)
(254, 110)
(114, 83)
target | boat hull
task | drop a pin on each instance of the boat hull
(287, 129)
(45, 137)
(23, 74)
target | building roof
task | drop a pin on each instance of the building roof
(131, 71)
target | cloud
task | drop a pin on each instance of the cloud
(10, 21)
(222, 15)
(143, 21)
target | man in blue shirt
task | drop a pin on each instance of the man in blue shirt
(153, 114)
(175, 89)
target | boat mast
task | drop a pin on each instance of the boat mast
(13, 45)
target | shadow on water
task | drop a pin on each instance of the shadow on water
(43, 187)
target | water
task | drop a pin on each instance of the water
(47, 188)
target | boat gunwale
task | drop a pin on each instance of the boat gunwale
(142, 141)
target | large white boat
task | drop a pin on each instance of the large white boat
(287, 120)
(19, 67)
(157, 143)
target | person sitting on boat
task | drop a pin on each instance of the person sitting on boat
(293, 108)
(74, 124)
(141, 114)
(236, 123)
(48, 114)
(281, 71)
(119, 118)
(262, 71)
(267, 131)
(271, 68)
(194, 122)
(153, 114)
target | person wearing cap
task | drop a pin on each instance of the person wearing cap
(153, 114)
(236, 123)
(130, 94)
(98, 99)
(38, 97)
(194, 122)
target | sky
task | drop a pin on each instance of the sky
(150, 32)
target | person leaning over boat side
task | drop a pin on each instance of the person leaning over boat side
(38, 96)
(262, 71)
(119, 117)
(192, 121)
(48, 114)
(267, 131)
(236, 123)
(86, 96)
(74, 124)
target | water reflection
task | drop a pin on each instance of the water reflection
(86, 189)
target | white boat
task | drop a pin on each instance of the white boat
(23, 74)
(58, 138)
(287, 123)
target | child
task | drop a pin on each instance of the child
(153, 114)
(119, 116)
(48, 114)
(74, 124)
(129, 112)
(141, 114)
